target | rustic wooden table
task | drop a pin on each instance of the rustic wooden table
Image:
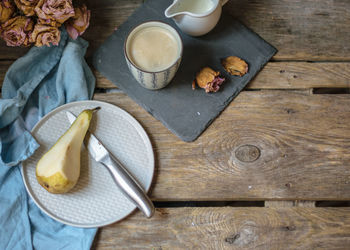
(259, 176)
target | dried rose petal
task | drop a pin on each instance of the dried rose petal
(209, 80)
(235, 65)
(6, 10)
(49, 22)
(45, 35)
(77, 25)
(26, 6)
(54, 12)
(214, 86)
(17, 31)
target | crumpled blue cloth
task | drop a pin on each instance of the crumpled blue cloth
(35, 84)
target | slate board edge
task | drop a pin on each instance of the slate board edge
(228, 101)
(225, 104)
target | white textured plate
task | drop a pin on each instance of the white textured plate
(96, 200)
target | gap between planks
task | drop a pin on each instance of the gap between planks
(257, 203)
(296, 203)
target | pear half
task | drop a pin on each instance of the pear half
(58, 170)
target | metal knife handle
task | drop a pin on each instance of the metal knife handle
(130, 187)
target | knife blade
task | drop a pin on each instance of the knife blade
(124, 180)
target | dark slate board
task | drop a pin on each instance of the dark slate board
(185, 112)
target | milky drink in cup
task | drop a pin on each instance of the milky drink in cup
(153, 53)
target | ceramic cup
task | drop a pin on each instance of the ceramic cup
(152, 79)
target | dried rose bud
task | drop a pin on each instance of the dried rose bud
(6, 10)
(54, 12)
(214, 85)
(209, 80)
(17, 30)
(45, 35)
(26, 6)
(77, 25)
(235, 66)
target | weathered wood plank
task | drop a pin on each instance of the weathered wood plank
(300, 75)
(300, 142)
(300, 30)
(231, 228)
(4, 65)
(275, 75)
(106, 16)
(288, 75)
(11, 52)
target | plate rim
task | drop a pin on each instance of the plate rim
(139, 129)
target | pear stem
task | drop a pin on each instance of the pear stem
(96, 109)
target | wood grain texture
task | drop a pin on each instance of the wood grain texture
(275, 75)
(288, 75)
(300, 30)
(106, 16)
(231, 228)
(4, 65)
(11, 52)
(304, 143)
(302, 75)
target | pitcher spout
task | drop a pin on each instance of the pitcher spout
(173, 10)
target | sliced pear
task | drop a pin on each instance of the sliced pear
(58, 170)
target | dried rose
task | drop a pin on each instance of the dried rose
(45, 35)
(49, 22)
(54, 12)
(6, 10)
(209, 80)
(77, 25)
(17, 30)
(27, 6)
(235, 66)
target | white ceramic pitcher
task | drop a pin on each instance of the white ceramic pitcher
(195, 17)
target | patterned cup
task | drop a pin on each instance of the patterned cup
(159, 76)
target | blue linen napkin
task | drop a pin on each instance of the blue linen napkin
(35, 84)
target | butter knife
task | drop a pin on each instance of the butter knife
(124, 180)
